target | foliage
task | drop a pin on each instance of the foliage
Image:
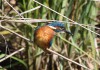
(80, 47)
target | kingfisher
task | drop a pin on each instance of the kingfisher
(43, 35)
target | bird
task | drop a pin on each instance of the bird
(44, 35)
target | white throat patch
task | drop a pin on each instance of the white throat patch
(52, 27)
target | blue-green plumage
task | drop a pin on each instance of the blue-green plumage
(51, 43)
(56, 24)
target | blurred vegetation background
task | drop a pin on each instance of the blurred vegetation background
(76, 47)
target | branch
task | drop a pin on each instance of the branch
(67, 58)
(8, 56)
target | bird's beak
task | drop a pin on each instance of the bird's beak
(68, 32)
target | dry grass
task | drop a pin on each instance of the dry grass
(18, 20)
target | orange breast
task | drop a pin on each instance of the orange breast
(43, 36)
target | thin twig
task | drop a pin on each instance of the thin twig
(29, 20)
(67, 58)
(29, 10)
(17, 13)
(79, 49)
(8, 56)
(91, 26)
(15, 33)
(66, 17)
(40, 20)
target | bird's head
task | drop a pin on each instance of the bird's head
(58, 27)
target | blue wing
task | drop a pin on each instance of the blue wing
(51, 43)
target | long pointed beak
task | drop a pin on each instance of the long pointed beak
(68, 32)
